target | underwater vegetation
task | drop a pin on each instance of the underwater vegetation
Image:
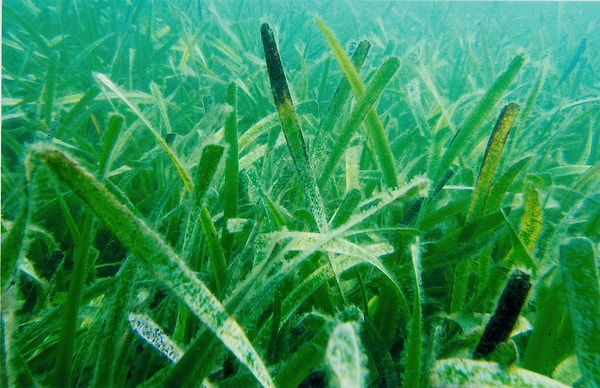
(195, 196)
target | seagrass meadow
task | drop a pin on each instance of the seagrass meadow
(283, 194)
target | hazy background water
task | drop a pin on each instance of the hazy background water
(541, 27)
(488, 33)
(462, 45)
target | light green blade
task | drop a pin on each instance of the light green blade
(183, 173)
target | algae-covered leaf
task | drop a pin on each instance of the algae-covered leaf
(275, 218)
(412, 374)
(455, 372)
(163, 262)
(15, 371)
(345, 357)
(249, 138)
(345, 257)
(12, 241)
(471, 324)
(209, 161)
(478, 115)
(525, 240)
(148, 330)
(491, 159)
(567, 371)
(588, 179)
(291, 127)
(489, 166)
(531, 222)
(579, 267)
(28, 269)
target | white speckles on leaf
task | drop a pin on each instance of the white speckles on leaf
(345, 357)
(147, 329)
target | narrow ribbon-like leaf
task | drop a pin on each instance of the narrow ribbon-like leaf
(372, 122)
(50, 89)
(489, 165)
(219, 265)
(491, 159)
(291, 127)
(531, 222)
(115, 121)
(362, 107)
(458, 372)
(345, 356)
(232, 168)
(478, 115)
(412, 374)
(346, 208)
(147, 329)
(500, 187)
(183, 173)
(579, 266)
(162, 105)
(165, 264)
(338, 101)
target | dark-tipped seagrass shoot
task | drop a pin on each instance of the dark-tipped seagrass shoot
(291, 127)
(483, 192)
